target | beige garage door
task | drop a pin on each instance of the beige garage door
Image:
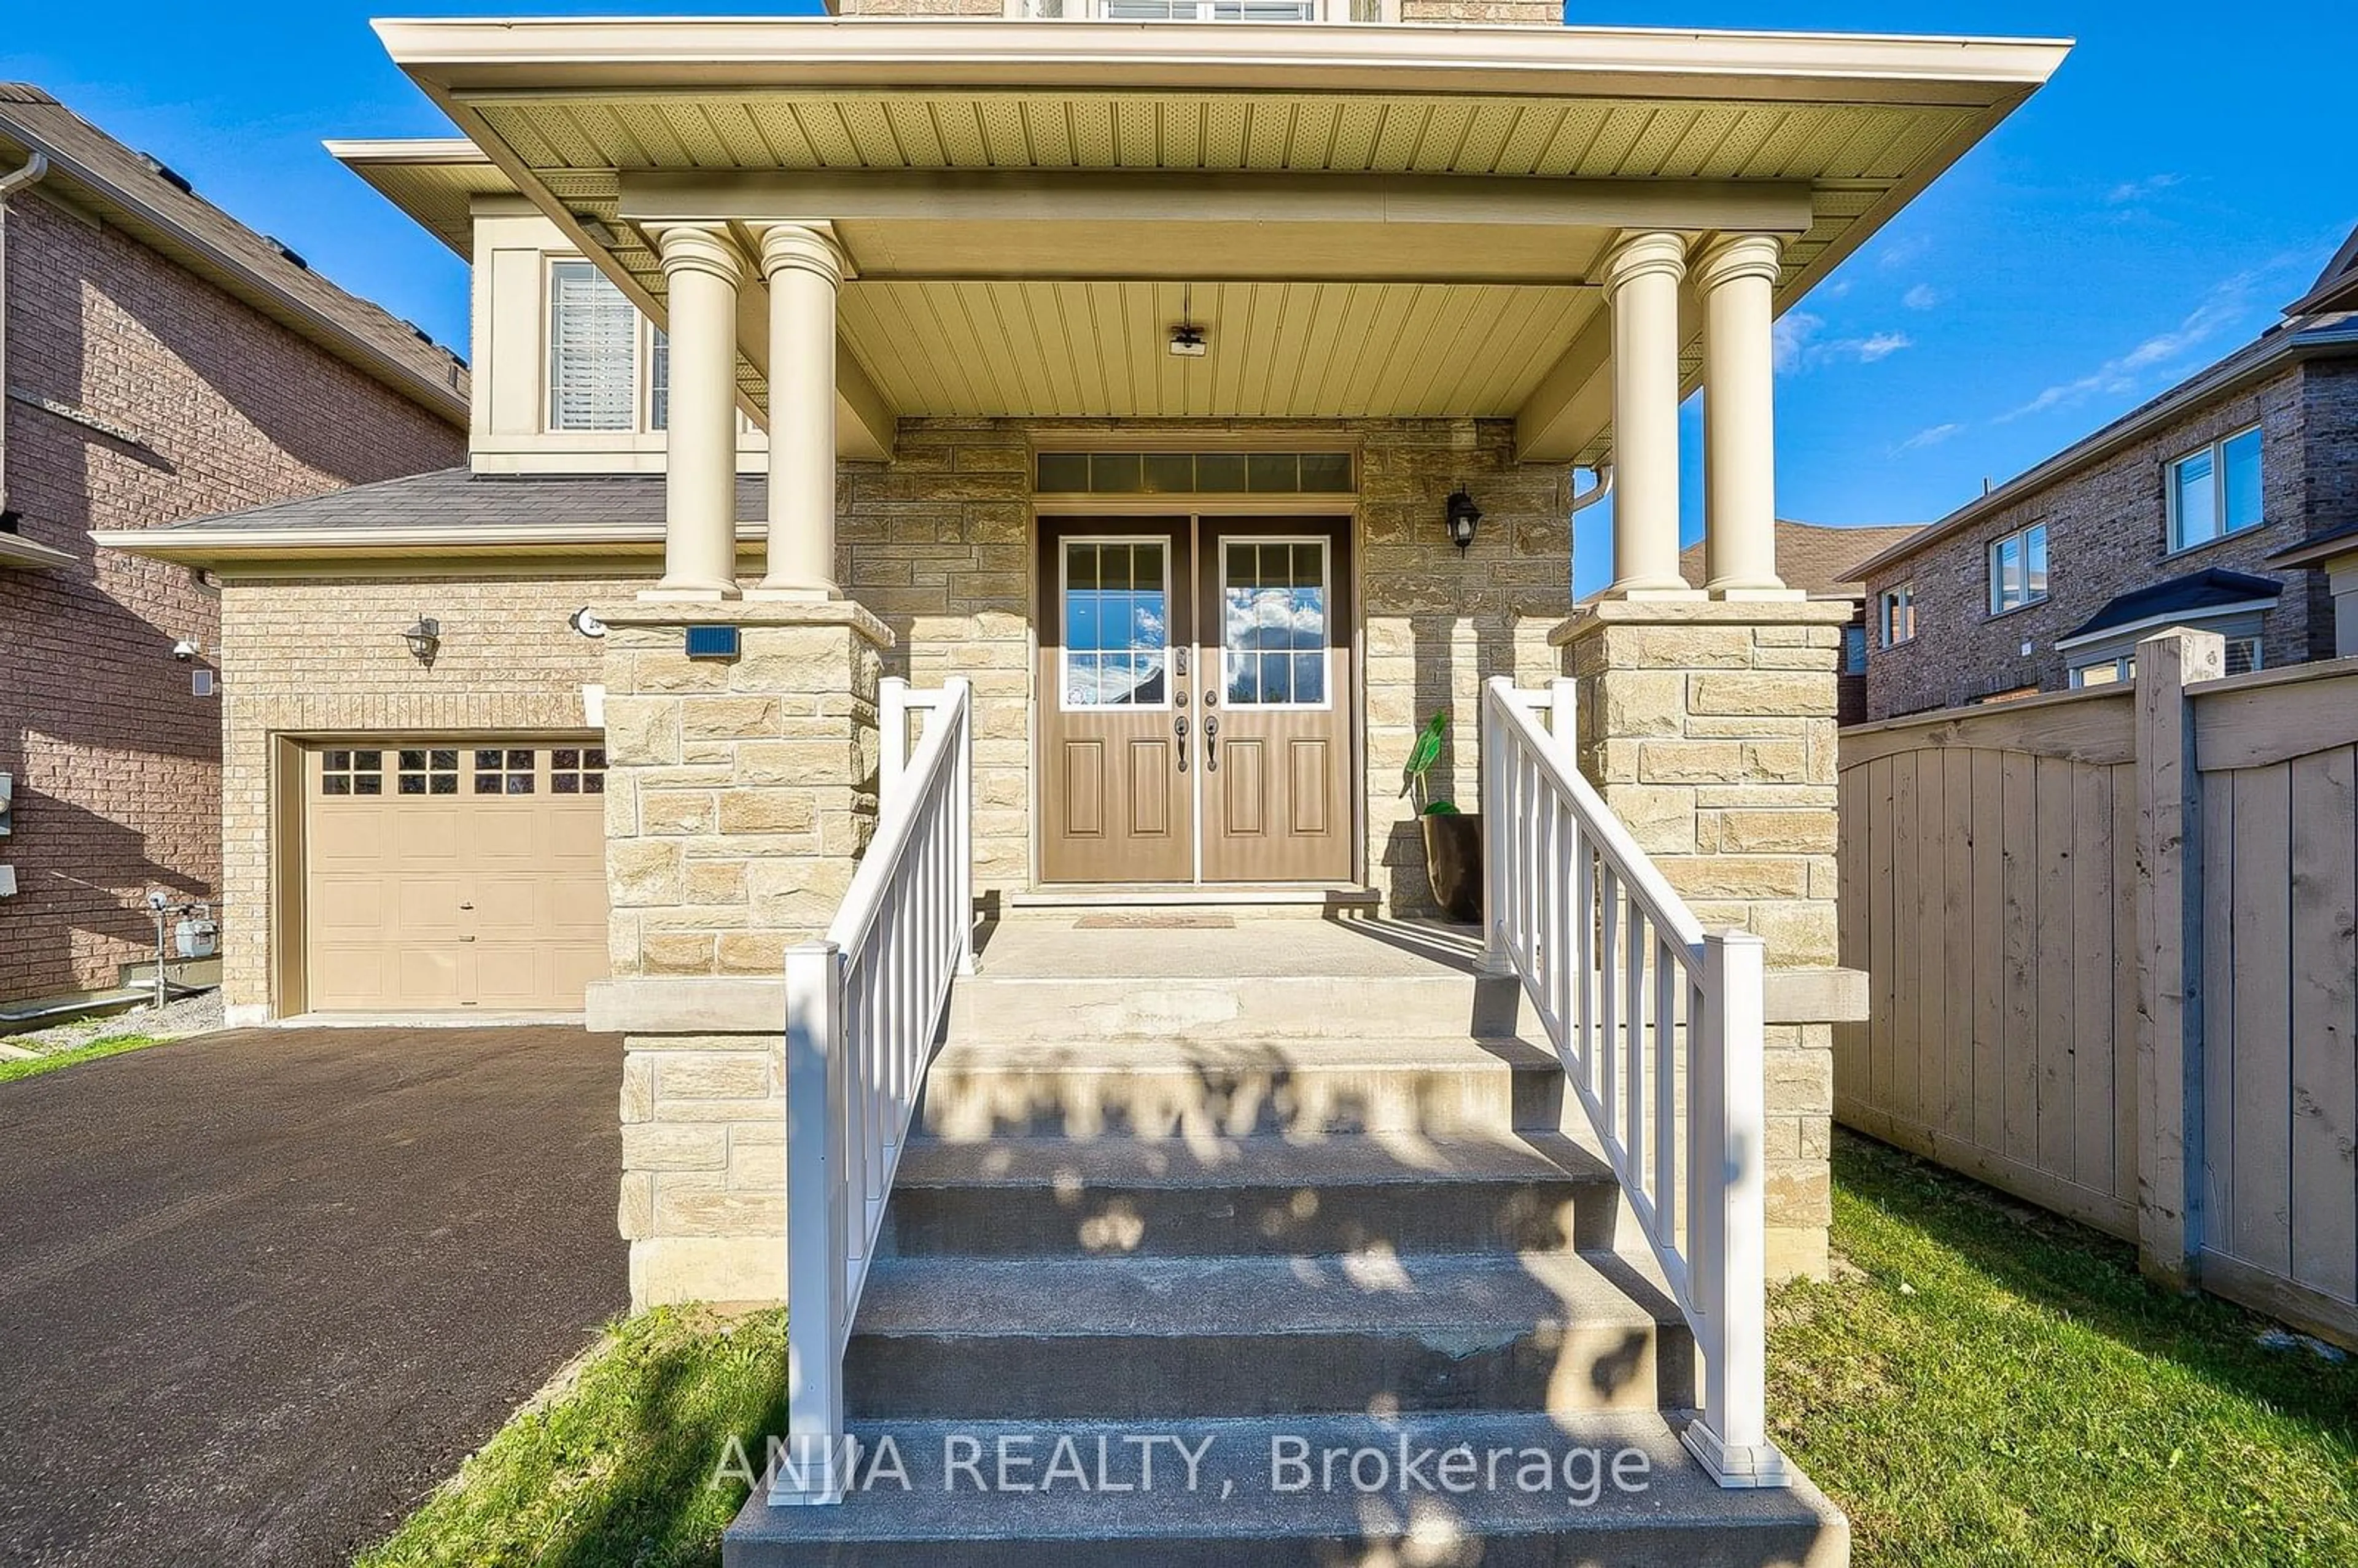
(454, 875)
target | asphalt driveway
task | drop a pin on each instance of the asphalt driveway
(259, 1290)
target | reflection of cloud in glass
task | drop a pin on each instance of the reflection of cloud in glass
(1276, 618)
(1113, 680)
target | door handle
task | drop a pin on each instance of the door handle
(1211, 745)
(1179, 727)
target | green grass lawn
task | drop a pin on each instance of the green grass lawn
(613, 1471)
(1998, 1385)
(114, 1045)
(1983, 1385)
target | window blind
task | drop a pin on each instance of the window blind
(591, 333)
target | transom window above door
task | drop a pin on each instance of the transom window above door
(1194, 473)
(1273, 633)
(1116, 623)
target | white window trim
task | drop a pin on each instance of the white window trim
(1990, 568)
(1325, 655)
(1065, 703)
(643, 335)
(2175, 542)
(1885, 603)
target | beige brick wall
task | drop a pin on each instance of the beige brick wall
(310, 656)
(209, 407)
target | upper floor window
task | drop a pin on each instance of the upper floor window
(2017, 570)
(2217, 491)
(1895, 611)
(597, 341)
(1854, 651)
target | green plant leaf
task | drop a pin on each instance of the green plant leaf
(1442, 808)
(1427, 750)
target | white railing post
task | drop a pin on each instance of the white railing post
(891, 736)
(1563, 714)
(1729, 1230)
(961, 703)
(816, 1463)
(1500, 839)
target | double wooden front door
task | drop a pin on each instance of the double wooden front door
(1194, 700)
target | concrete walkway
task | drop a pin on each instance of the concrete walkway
(260, 1291)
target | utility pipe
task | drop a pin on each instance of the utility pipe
(36, 170)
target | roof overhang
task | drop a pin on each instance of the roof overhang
(993, 180)
(434, 181)
(2145, 623)
(229, 549)
(20, 554)
(428, 375)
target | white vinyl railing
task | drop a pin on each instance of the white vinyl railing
(1659, 1025)
(863, 1007)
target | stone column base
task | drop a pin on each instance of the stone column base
(741, 792)
(1708, 727)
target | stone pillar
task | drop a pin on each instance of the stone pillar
(739, 793)
(1708, 728)
(1641, 288)
(702, 272)
(1739, 398)
(805, 269)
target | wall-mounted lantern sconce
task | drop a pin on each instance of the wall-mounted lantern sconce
(1462, 515)
(424, 640)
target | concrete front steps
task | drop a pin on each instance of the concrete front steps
(1212, 1213)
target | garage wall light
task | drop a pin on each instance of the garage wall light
(424, 640)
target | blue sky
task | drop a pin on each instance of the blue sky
(2180, 179)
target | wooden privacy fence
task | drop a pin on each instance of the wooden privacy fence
(2111, 939)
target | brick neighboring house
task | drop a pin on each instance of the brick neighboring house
(2224, 503)
(1820, 561)
(160, 362)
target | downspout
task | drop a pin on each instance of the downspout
(1580, 503)
(36, 168)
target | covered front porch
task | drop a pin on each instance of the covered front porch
(931, 259)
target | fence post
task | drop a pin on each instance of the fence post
(1728, 1232)
(816, 1463)
(2170, 947)
(891, 736)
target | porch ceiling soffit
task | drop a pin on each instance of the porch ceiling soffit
(567, 108)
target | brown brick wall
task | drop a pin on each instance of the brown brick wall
(118, 765)
(2107, 532)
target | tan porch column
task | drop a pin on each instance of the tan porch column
(702, 272)
(1739, 418)
(804, 269)
(1641, 286)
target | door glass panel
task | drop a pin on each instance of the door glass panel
(1273, 623)
(1117, 625)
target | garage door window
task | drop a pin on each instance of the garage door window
(427, 772)
(504, 772)
(576, 771)
(351, 773)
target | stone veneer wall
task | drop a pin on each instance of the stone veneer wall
(325, 656)
(739, 795)
(937, 545)
(1709, 729)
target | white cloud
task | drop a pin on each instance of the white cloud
(2138, 190)
(2221, 308)
(1931, 436)
(1901, 251)
(1799, 345)
(1923, 296)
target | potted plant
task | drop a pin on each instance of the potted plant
(1453, 839)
